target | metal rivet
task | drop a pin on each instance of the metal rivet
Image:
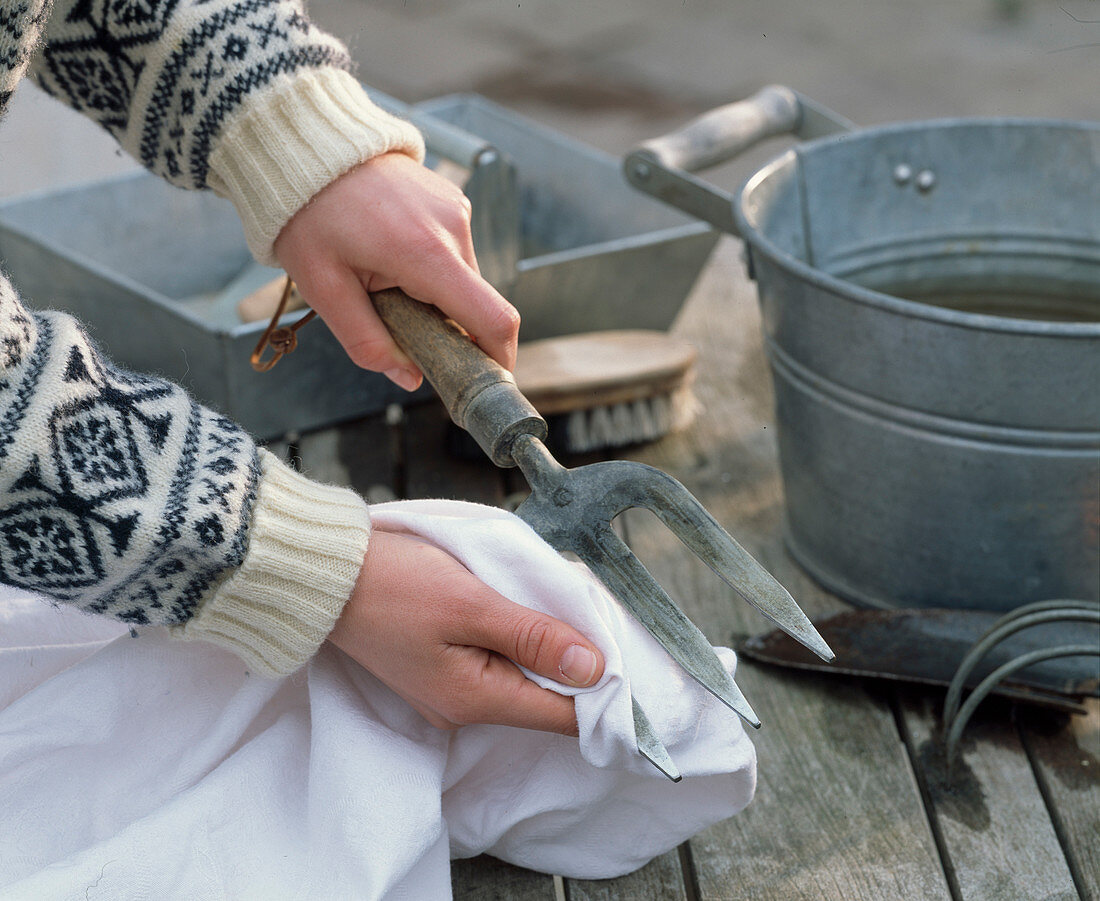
(926, 180)
(642, 171)
(902, 174)
(563, 497)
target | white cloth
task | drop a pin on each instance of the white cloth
(147, 767)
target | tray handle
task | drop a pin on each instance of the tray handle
(661, 166)
(491, 185)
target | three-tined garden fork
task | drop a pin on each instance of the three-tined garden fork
(572, 509)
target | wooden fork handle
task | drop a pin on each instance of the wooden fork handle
(480, 394)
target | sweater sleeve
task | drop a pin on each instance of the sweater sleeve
(245, 97)
(122, 496)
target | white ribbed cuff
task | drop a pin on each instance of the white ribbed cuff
(293, 139)
(306, 545)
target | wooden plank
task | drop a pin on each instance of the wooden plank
(1066, 757)
(662, 879)
(837, 813)
(488, 879)
(994, 831)
(364, 455)
(432, 472)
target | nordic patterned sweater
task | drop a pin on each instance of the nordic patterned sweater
(118, 493)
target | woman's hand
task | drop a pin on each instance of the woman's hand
(390, 222)
(445, 642)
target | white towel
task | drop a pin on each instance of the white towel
(139, 768)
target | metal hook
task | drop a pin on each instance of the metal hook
(281, 339)
(1016, 621)
(955, 717)
(990, 682)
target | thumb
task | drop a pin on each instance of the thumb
(540, 643)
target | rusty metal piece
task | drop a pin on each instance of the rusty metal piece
(926, 646)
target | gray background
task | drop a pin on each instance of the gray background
(612, 72)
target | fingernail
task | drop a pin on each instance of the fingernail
(578, 664)
(403, 378)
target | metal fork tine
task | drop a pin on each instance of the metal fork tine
(650, 746)
(704, 536)
(628, 580)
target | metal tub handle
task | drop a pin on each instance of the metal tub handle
(662, 167)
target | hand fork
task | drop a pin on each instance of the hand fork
(572, 509)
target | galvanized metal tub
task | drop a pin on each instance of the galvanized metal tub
(931, 308)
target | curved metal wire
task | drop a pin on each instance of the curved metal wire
(1022, 618)
(990, 682)
(281, 339)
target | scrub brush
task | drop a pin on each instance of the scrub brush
(596, 390)
(609, 389)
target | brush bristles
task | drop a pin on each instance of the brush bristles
(630, 423)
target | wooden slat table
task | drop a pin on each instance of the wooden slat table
(852, 800)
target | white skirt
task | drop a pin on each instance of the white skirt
(148, 767)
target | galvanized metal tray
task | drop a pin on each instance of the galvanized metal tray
(155, 273)
(590, 256)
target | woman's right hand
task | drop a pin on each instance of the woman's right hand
(390, 222)
(448, 644)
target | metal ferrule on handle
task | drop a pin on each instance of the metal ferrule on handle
(480, 394)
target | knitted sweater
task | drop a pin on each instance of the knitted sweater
(118, 493)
